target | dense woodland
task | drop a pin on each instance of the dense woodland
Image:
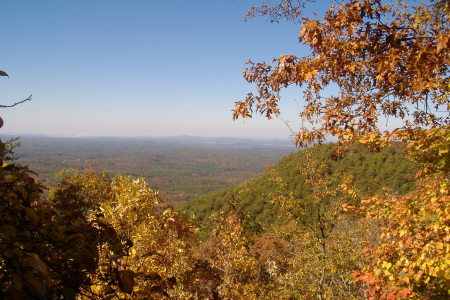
(370, 172)
(364, 218)
(179, 168)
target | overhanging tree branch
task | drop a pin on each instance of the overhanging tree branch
(17, 103)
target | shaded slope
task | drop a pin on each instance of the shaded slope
(371, 172)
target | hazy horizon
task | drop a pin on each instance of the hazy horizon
(43, 135)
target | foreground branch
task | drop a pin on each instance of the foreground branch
(17, 103)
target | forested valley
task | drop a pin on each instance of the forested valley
(364, 217)
(179, 168)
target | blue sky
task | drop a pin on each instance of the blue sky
(137, 67)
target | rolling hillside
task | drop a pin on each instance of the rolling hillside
(371, 172)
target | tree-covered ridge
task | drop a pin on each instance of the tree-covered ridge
(371, 173)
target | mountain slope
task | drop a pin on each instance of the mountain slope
(371, 172)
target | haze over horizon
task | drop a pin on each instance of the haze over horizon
(184, 137)
(158, 68)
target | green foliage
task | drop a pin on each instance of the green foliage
(321, 233)
(371, 172)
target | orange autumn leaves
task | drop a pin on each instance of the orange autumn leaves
(387, 60)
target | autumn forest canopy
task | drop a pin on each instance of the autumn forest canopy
(364, 217)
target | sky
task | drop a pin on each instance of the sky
(137, 67)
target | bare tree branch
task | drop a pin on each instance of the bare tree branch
(17, 103)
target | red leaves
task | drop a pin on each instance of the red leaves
(404, 293)
(360, 277)
(390, 297)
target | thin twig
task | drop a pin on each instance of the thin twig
(17, 103)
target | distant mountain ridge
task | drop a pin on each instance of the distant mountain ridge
(180, 141)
